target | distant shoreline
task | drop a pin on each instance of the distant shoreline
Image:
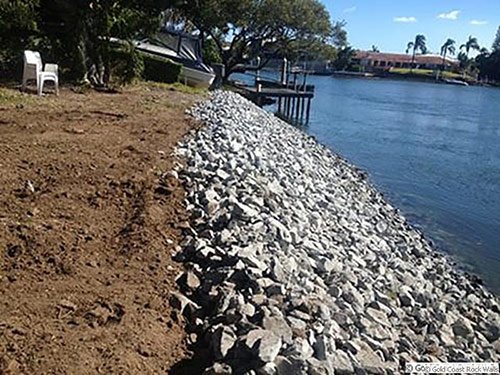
(405, 77)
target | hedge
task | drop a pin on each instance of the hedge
(161, 69)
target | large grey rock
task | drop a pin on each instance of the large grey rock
(223, 339)
(286, 366)
(369, 361)
(462, 327)
(316, 367)
(279, 327)
(264, 344)
(341, 363)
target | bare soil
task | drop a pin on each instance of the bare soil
(87, 229)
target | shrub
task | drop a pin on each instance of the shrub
(161, 69)
(126, 64)
(211, 54)
(18, 31)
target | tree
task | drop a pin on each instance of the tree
(496, 43)
(19, 30)
(471, 44)
(80, 32)
(309, 50)
(418, 45)
(344, 58)
(339, 35)
(447, 48)
(244, 29)
(375, 48)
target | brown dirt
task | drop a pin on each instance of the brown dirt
(87, 228)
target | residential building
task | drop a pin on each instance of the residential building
(377, 61)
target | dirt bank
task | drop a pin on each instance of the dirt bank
(87, 227)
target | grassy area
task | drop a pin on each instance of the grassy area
(428, 73)
(10, 96)
(14, 96)
(177, 86)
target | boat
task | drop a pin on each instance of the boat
(455, 82)
(181, 48)
(345, 73)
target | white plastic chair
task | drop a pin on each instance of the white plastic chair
(33, 71)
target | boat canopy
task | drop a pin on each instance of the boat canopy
(180, 47)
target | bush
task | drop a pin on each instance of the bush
(211, 54)
(161, 69)
(18, 31)
(126, 64)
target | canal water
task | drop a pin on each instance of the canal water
(432, 149)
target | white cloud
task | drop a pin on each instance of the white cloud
(405, 19)
(453, 15)
(350, 10)
(478, 22)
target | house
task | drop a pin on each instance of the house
(377, 61)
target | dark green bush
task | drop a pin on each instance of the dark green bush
(211, 54)
(161, 69)
(126, 64)
(18, 32)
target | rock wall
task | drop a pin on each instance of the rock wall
(295, 264)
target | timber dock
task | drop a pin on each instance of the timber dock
(294, 98)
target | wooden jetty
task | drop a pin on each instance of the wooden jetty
(294, 98)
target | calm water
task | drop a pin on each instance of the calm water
(434, 150)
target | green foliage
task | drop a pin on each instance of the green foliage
(18, 32)
(249, 27)
(344, 59)
(429, 73)
(487, 63)
(127, 64)
(80, 32)
(448, 48)
(496, 43)
(420, 44)
(309, 49)
(161, 70)
(471, 44)
(489, 66)
(211, 54)
(339, 34)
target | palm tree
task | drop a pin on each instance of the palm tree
(447, 48)
(471, 44)
(418, 45)
(375, 48)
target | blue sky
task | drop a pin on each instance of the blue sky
(390, 24)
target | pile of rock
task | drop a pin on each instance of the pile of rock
(295, 264)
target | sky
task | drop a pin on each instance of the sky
(391, 24)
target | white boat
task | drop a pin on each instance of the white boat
(345, 73)
(184, 49)
(455, 82)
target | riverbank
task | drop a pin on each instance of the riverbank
(428, 76)
(88, 222)
(296, 264)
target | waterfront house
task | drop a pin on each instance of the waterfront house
(377, 61)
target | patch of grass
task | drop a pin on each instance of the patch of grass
(177, 86)
(11, 96)
(428, 73)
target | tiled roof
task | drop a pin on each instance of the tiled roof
(402, 58)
